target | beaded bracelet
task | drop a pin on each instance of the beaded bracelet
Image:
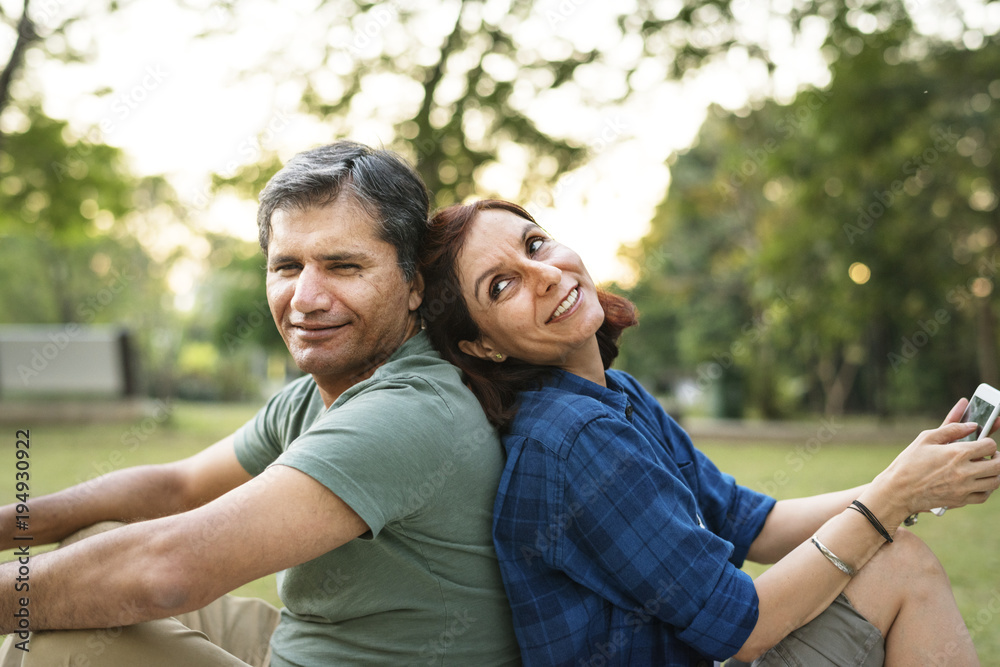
(840, 565)
(872, 519)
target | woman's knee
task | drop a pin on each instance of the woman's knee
(911, 557)
(905, 567)
(900, 572)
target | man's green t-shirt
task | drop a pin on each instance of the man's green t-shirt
(411, 452)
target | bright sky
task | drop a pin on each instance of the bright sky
(179, 106)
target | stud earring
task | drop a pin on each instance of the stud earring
(498, 356)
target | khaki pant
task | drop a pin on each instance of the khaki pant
(230, 632)
(838, 637)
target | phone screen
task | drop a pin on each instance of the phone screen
(978, 411)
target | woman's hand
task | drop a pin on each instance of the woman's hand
(935, 471)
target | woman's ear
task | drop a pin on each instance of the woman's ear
(478, 348)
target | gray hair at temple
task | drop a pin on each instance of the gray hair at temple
(387, 188)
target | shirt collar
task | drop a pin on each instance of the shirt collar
(418, 343)
(613, 395)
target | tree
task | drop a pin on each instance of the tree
(42, 25)
(467, 79)
(881, 228)
(68, 215)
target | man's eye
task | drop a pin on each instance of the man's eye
(534, 245)
(498, 287)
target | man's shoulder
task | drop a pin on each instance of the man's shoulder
(416, 364)
(300, 387)
(417, 387)
(296, 396)
(417, 357)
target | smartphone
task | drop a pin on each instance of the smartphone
(983, 409)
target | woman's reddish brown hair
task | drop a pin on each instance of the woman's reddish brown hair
(447, 320)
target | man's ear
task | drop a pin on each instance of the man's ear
(479, 348)
(416, 291)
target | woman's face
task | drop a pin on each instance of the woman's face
(531, 297)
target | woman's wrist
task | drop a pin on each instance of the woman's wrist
(884, 506)
(860, 507)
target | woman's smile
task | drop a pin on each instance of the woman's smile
(566, 307)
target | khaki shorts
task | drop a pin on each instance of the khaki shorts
(230, 632)
(839, 637)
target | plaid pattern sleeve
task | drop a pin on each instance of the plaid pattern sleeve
(733, 512)
(604, 553)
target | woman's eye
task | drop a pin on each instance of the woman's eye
(534, 245)
(498, 287)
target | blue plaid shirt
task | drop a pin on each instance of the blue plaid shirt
(619, 542)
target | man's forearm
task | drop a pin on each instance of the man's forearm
(131, 494)
(99, 583)
(178, 563)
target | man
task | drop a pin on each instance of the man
(367, 484)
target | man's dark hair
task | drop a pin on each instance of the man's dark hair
(387, 188)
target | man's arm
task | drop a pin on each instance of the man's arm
(131, 494)
(178, 563)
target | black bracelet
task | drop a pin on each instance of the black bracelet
(872, 519)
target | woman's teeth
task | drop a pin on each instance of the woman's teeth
(567, 304)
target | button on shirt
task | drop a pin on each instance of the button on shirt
(619, 542)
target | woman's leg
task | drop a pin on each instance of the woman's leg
(906, 594)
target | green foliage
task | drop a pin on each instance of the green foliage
(465, 74)
(230, 341)
(76, 224)
(233, 301)
(841, 251)
(66, 208)
(744, 282)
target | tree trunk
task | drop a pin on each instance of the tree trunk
(986, 342)
(837, 382)
(426, 142)
(25, 36)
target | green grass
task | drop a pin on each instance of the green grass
(967, 540)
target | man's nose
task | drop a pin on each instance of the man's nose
(311, 291)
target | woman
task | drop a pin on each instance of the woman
(619, 542)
